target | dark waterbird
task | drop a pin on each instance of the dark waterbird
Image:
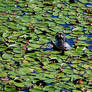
(61, 43)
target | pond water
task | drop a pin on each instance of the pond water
(27, 58)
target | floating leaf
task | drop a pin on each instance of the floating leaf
(7, 56)
(18, 50)
(19, 84)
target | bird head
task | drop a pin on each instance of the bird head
(60, 36)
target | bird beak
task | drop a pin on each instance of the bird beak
(62, 36)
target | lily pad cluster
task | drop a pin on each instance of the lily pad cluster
(26, 28)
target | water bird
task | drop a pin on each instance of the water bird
(61, 43)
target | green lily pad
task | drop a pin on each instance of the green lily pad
(84, 1)
(18, 50)
(7, 56)
(19, 84)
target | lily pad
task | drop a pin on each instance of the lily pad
(18, 50)
(7, 56)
